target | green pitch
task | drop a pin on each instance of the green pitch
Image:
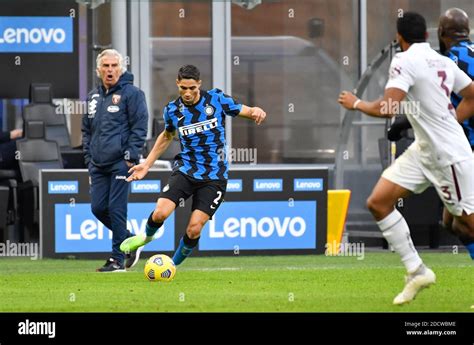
(273, 283)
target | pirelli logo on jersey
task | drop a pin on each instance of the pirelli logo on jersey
(199, 127)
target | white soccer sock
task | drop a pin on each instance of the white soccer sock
(397, 233)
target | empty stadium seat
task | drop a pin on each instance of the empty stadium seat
(36, 153)
(41, 108)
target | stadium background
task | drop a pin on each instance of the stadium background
(292, 58)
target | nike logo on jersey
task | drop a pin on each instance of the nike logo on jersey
(199, 127)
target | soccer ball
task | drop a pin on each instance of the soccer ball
(160, 268)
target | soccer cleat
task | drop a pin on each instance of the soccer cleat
(422, 278)
(133, 243)
(111, 265)
(133, 258)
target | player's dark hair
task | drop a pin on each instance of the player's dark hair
(189, 72)
(412, 27)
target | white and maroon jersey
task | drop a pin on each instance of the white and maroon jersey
(429, 78)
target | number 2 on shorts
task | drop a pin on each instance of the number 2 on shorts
(216, 200)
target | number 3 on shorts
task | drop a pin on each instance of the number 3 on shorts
(216, 200)
(447, 194)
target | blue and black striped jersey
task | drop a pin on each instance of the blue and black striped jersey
(201, 129)
(463, 54)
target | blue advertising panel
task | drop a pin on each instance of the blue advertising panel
(63, 187)
(40, 43)
(146, 186)
(36, 34)
(261, 225)
(264, 212)
(77, 230)
(308, 184)
(234, 185)
(268, 185)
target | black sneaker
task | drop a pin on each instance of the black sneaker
(132, 258)
(111, 265)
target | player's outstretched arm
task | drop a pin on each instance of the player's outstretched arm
(253, 113)
(387, 106)
(162, 143)
(465, 109)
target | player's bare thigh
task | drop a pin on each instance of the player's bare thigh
(463, 225)
(448, 219)
(384, 196)
(196, 223)
(164, 207)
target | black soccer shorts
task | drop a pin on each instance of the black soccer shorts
(207, 194)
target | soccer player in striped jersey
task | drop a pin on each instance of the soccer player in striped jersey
(440, 155)
(200, 170)
(454, 42)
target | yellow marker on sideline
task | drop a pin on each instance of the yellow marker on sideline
(338, 205)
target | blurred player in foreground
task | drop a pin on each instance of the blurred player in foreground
(201, 168)
(453, 35)
(440, 154)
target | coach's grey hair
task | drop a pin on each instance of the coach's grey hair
(110, 52)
